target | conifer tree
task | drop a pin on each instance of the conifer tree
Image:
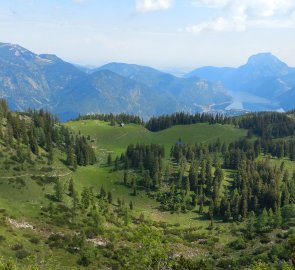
(71, 188)
(110, 197)
(59, 190)
(109, 161)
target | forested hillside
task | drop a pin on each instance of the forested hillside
(190, 192)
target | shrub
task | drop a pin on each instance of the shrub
(238, 244)
(2, 238)
(87, 257)
(22, 254)
(34, 240)
(17, 246)
(264, 239)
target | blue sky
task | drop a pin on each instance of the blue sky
(159, 33)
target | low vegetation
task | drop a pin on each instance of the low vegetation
(96, 194)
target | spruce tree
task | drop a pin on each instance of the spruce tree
(110, 197)
(71, 187)
(131, 205)
(59, 190)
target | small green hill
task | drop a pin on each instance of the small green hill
(116, 138)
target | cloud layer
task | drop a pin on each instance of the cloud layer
(239, 15)
(152, 5)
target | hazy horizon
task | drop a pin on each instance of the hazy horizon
(159, 33)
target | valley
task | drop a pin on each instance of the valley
(59, 214)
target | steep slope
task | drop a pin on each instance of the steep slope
(31, 80)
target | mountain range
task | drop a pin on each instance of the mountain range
(29, 80)
(263, 83)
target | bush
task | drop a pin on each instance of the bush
(259, 250)
(17, 246)
(280, 252)
(2, 238)
(87, 257)
(264, 239)
(22, 254)
(288, 212)
(34, 240)
(238, 244)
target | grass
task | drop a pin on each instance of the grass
(25, 202)
(116, 139)
(28, 199)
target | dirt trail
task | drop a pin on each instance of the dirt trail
(35, 175)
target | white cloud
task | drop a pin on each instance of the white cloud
(239, 15)
(210, 3)
(153, 5)
(80, 1)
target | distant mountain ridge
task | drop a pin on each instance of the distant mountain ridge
(263, 76)
(28, 80)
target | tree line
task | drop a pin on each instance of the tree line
(34, 131)
(113, 118)
(182, 118)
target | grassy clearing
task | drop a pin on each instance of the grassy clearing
(116, 139)
(28, 199)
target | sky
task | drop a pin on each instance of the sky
(166, 34)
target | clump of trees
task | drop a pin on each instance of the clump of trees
(113, 118)
(33, 132)
(181, 118)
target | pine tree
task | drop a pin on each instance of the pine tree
(51, 209)
(33, 142)
(277, 219)
(270, 217)
(125, 178)
(50, 156)
(250, 227)
(75, 202)
(227, 213)
(85, 198)
(209, 178)
(134, 188)
(186, 185)
(116, 164)
(71, 157)
(119, 202)
(110, 197)
(126, 217)
(102, 193)
(59, 191)
(262, 221)
(211, 212)
(109, 159)
(193, 176)
(71, 187)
